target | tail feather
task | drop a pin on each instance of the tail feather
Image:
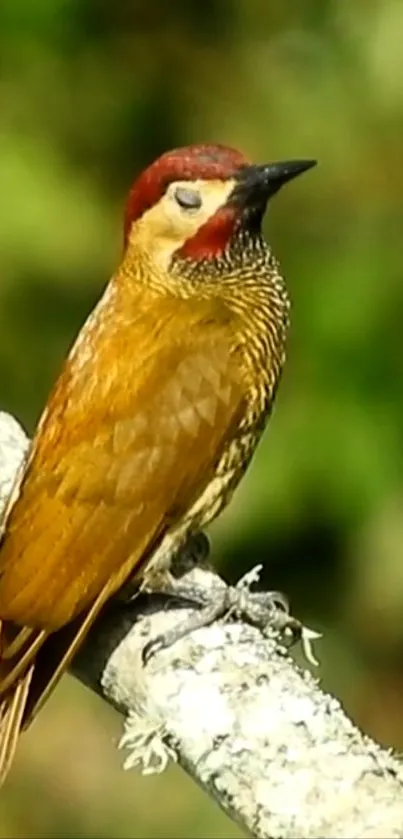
(15, 665)
(12, 712)
(13, 647)
(55, 655)
(31, 664)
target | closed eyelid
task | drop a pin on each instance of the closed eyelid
(189, 199)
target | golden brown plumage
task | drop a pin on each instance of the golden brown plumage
(153, 419)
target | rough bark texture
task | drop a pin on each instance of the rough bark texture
(230, 705)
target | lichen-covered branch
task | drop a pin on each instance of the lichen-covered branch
(230, 705)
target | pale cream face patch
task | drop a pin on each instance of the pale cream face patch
(166, 226)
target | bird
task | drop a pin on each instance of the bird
(154, 418)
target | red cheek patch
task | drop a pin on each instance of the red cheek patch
(212, 237)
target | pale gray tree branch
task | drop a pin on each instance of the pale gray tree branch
(256, 732)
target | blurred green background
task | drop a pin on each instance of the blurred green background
(90, 92)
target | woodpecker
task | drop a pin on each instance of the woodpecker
(154, 418)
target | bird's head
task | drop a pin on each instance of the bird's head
(192, 201)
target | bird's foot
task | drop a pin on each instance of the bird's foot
(193, 553)
(268, 611)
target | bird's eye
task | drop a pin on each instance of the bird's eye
(188, 199)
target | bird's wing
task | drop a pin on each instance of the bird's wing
(122, 452)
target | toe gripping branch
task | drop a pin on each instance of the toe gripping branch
(267, 610)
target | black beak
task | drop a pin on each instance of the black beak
(256, 184)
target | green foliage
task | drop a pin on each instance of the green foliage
(90, 92)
